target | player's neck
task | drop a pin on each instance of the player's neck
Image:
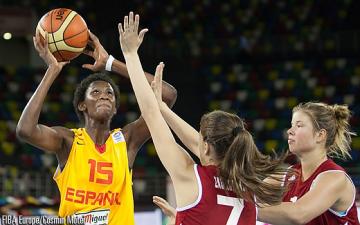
(92, 124)
(99, 133)
(310, 161)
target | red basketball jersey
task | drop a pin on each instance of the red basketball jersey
(298, 188)
(215, 206)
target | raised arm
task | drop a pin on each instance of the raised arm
(136, 133)
(175, 160)
(187, 134)
(28, 129)
(324, 195)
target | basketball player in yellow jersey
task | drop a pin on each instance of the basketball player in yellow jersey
(93, 172)
(102, 187)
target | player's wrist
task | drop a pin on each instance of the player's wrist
(163, 106)
(109, 63)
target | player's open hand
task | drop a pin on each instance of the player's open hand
(156, 84)
(98, 53)
(41, 47)
(167, 209)
(130, 38)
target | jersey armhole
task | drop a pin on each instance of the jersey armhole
(199, 194)
(337, 213)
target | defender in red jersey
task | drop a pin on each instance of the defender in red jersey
(214, 205)
(222, 191)
(321, 193)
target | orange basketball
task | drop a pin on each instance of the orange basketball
(67, 33)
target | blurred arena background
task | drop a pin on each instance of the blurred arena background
(258, 58)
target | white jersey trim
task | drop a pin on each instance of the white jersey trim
(199, 194)
(344, 213)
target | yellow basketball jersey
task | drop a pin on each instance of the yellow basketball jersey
(94, 186)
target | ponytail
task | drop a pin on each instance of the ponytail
(342, 140)
(244, 169)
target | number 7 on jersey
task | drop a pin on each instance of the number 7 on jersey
(237, 204)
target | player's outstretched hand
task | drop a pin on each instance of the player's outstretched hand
(130, 38)
(156, 84)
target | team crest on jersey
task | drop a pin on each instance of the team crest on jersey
(293, 199)
(118, 137)
(292, 178)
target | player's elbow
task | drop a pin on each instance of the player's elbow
(171, 96)
(296, 220)
(22, 132)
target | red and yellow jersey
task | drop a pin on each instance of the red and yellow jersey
(96, 186)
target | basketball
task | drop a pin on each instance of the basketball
(67, 33)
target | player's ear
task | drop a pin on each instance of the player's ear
(206, 148)
(82, 106)
(321, 135)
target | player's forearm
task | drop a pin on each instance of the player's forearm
(143, 92)
(169, 93)
(187, 134)
(283, 214)
(31, 113)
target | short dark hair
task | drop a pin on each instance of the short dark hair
(81, 88)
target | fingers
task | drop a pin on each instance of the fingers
(64, 63)
(36, 44)
(126, 24)
(121, 31)
(46, 42)
(162, 203)
(38, 41)
(142, 34)
(136, 24)
(159, 72)
(88, 52)
(93, 39)
(162, 65)
(158, 75)
(91, 43)
(131, 21)
(88, 66)
(158, 198)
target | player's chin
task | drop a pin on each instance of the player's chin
(292, 149)
(105, 114)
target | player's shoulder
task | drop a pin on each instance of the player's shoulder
(330, 165)
(117, 135)
(66, 133)
(335, 177)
